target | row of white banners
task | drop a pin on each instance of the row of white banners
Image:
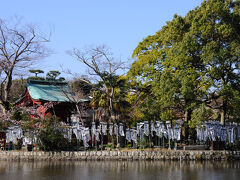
(213, 131)
(209, 131)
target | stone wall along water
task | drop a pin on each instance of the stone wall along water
(120, 155)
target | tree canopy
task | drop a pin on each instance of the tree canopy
(36, 71)
(52, 75)
(193, 61)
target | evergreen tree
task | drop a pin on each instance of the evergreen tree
(193, 60)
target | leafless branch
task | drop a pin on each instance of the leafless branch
(20, 47)
(101, 64)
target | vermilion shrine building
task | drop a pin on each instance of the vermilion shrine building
(50, 98)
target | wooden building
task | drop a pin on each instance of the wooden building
(50, 98)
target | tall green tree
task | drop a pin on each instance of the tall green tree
(171, 64)
(190, 58)
(216, 24)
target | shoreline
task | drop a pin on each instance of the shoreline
(176, 155)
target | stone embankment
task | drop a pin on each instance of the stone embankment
(120, 155)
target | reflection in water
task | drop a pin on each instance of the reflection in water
(106, 170)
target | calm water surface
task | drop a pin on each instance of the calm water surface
(109, 170)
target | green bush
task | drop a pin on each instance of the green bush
(52, 140)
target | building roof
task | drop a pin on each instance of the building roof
(51, 91)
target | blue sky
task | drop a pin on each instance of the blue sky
(119, 24)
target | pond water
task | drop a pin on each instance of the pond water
(108, 170)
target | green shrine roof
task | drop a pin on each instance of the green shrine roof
(51, 91)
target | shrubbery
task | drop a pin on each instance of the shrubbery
(51, 139)
(50, 136)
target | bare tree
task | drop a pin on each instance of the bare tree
(102, 65)
(21, 46)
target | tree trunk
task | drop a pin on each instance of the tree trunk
(223, 113)
(224, 105)
(4, 102)
(188, 115)
(4, 106)
(111, 104)
(3, 109)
